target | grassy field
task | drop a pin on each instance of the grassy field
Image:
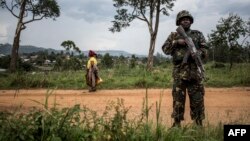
(125, 78)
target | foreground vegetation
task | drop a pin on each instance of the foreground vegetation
(81, 123)
(120, 77)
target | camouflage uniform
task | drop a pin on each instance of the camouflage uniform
(186, 76)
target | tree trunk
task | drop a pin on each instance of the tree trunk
(153, 35)
(15, 47)
(231, 64)
(151, 52)
(14, 52)
(231, 59)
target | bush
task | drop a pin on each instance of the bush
(218, 65)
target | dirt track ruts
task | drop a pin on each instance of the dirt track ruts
(221, 104)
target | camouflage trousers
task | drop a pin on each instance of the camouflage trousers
(195, 90)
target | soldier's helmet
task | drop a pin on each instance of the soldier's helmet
(182, 14)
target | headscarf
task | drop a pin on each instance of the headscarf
(92, 53)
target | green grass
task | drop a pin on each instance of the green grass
(223, 77)
(125, 78)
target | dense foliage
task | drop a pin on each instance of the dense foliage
(230, 41)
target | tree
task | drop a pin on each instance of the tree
(121, 60)
(145, 10)
(59, 63)
(132, 61)
(225, 39)
(107, 61)
(218, 46)
(70, 45)
(42, 56)
(4, 62)
(21, 9)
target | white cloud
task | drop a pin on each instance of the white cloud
(7, 27)
(86, 22)
(3, 33)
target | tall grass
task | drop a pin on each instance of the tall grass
(125, 78)
(79, 123)
(223, 77)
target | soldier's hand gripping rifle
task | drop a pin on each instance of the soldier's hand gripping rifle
(191, 51)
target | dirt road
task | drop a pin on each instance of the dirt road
(221, 104)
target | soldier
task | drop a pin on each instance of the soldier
(186, 77)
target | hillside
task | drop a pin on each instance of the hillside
(6, 50)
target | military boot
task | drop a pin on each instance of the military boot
(198, 122)
(177, 123)
(92, 89)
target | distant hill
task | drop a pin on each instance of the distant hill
(6, 50)
(114, 53)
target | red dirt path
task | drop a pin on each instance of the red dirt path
(221, 104)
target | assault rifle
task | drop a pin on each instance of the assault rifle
(191, 51)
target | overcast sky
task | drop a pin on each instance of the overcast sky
(86, 22)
